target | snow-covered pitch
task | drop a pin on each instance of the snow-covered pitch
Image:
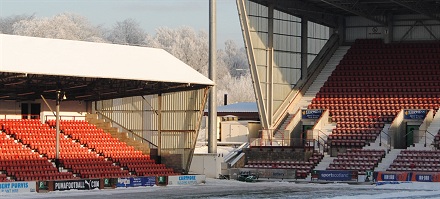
(216, 188)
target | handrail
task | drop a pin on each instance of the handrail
(324, 140)
(61, 117)
(389, 139)
(319, 144)
(424, 134)
(426, 131)
(150, 144)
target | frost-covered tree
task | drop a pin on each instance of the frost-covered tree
(235, 59)
(184, 43)
(7, 23)
(239, 89)
(192, 48)
(127, 32)
(62, 26)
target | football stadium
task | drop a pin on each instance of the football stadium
(346, 91)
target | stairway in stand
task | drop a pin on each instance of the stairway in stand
(107, 127)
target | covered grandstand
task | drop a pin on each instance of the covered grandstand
(82, 79)
(354, 81)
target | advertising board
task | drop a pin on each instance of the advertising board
(332, 175)
(186, 180)
(136, 182)
(311, 113)
(17, 187)
(85, 184)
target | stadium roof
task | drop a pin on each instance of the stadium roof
(30, 67)
(243, 107)
(326, 12)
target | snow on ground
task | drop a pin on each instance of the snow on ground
(220, 189)
(202, 147)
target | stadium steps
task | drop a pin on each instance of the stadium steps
(314, 88)
(388, 160)
(107, 127)
(381, 141)
(322, 165)
(325, 162)
(432, 129)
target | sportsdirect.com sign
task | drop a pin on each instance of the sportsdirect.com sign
(76, 184)
(17, 187)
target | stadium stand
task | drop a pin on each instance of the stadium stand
(112, 148)
(417, 160)
(371, 84)
(28, 153)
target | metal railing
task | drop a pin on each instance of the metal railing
(64, 117)
(131, 134)
(294, 143)
(420, 137)
(388, 139)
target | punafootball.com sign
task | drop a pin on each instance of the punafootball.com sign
(17, 187)
(76, 184)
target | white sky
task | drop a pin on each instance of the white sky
(151, 14)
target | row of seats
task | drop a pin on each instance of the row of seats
(375, 101)
(400, 75)
(385, 56)
(303, 168)
(417, 161)
(361, 160)
(21, 163)
(387, 67)
(396, 89)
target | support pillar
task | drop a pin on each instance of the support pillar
(212, 106)
(304, 48)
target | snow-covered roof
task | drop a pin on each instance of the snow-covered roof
(31, 55)
(240, 107)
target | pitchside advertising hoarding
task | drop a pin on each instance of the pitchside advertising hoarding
(332, 175)
(136, 182)
(270, 173)
(17, 187)
(407, 176)
(85, 184)
(186, 180)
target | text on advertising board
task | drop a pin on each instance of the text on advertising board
(311, 113)
(17, 187)
(76, 184)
